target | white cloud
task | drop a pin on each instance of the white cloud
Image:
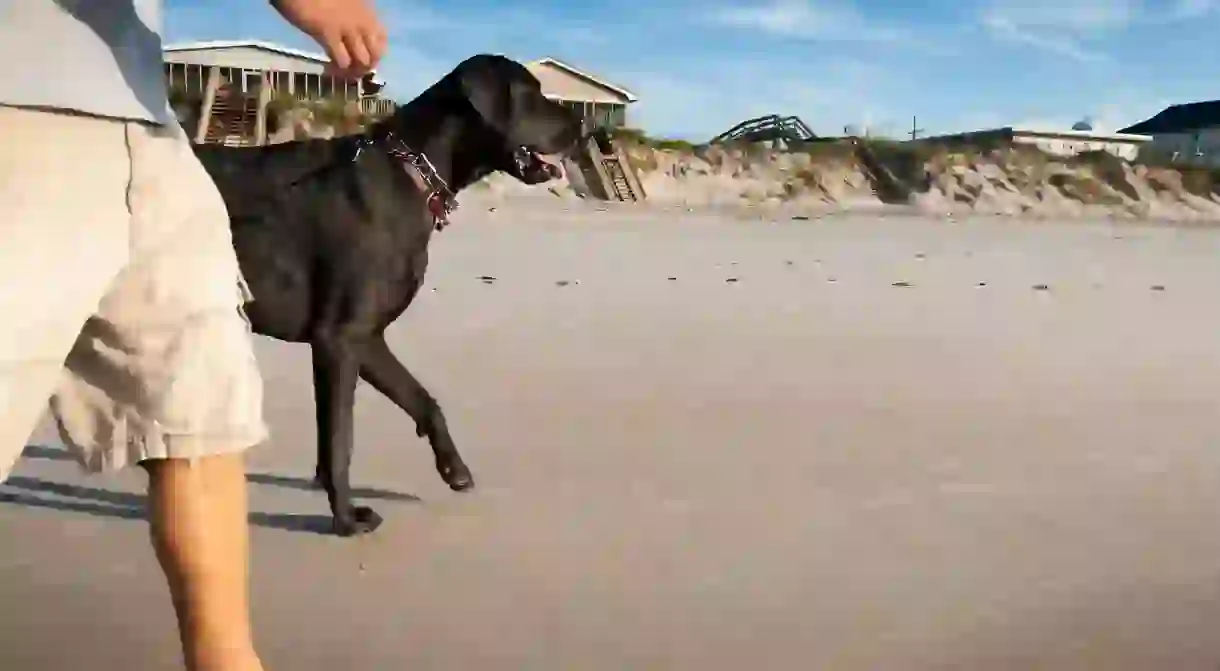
(696, 87)
(709, 102)
(1120, 108)
(1124, 108)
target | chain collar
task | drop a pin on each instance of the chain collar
(441, 200)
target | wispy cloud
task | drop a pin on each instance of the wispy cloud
(1053, 42)
(1066, 27)
(804, 19)
(1077, 16)
(1193, 9)
(405, 19)
(1061, 27)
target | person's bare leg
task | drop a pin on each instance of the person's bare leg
(198, 520)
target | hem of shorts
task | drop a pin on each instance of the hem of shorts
(161, 445)
(182, 446)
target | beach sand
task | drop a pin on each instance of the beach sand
(808, 468)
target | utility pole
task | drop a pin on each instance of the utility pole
(915, 129)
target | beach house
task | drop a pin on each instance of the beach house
(246, 64)
(599, 103)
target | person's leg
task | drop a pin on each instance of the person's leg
(198, 521)
(164, 376)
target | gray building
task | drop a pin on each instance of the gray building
(1187, 133)
(243, 64)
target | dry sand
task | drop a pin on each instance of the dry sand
(779, 473)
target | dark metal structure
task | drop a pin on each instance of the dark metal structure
(1185, 118)
(767, 128)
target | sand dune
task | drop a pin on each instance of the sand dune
(891, 443)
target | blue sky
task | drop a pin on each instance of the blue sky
(700, 67)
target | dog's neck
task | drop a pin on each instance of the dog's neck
(437, 137)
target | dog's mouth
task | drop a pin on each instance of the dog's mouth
(532, 167)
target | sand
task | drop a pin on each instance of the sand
(808, 468)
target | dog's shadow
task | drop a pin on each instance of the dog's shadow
(129, 506)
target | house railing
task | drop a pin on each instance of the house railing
(228, 114)
(192, 80)
(378, 106)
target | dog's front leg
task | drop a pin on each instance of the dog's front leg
(381, 369)
(336, 363)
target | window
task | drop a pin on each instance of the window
(618, 116)
(252, 81)
(576, 107)
(195, 78)
(605, 115)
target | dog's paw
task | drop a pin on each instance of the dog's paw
(362, 520)
(455, 474)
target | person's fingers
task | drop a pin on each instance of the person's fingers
(381, 40)
(330, 70)
(361, 59)
(375, 50)
(354, 38)
(337, 50)
(374, 35)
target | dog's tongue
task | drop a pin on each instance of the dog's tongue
(551, 168)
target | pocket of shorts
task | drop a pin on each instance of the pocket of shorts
(213, 386)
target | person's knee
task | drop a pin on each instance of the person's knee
(220, 464)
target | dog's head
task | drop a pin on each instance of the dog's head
(509, 124)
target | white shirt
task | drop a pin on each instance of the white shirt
(99, 57)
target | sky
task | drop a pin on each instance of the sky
(700, 66)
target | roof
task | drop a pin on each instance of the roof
(1121, 136)
(252, 44)
(631, 97)
(1180, 119)
(1009, 133)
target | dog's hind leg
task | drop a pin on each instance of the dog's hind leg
(381, 369)
(335, 367)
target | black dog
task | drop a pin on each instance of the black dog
(332, 236)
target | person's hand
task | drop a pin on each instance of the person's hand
(348, 30)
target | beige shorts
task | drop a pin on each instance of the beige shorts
(120, 295)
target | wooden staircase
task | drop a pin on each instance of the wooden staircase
(230, 117)
(234, 119)
(885, 183)
(619, 184)
(614, 175)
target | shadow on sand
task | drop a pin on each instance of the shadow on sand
(34, 493)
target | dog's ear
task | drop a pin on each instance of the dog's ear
(489, 91)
